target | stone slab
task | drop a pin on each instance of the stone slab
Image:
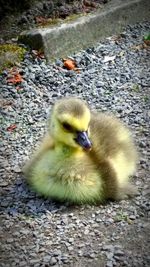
(69, 37)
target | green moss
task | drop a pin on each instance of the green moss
(147, 37)
(10, 54)
(50, 22)
(58, 21)
(74, 16)
(136, 88)
(10, 47)
(146, 98)
(121, 217)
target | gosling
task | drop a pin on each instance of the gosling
(85, 157)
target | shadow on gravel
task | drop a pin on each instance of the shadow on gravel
(19, 199)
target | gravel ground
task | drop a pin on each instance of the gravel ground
(39, 232)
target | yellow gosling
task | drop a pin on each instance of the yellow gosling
(86, 157)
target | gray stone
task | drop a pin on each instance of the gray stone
(53, 261)
(57, 252)
(34, 261)
(47, 258)
(71, 240)
(109, 264)
(108, 248)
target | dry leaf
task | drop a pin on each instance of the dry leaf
(14, 76)
(38, 54)
(70, 64)
(5, 103)
(140, 46)
(147, 42)
(40, 20)
(108, 58)
(11, 128)
(43, 21)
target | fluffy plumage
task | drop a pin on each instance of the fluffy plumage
(85, 157)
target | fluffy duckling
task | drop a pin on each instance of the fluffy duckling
(86, 157)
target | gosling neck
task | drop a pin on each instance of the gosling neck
(68, 150)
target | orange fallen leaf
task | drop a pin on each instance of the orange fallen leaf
(11, 128)
(16, 79)
(14, 76)
(70, 64)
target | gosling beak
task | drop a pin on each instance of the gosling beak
(83, 140)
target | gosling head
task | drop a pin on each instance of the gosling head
(70, 123)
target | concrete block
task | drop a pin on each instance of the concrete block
(69, 37)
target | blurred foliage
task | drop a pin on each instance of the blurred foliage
(147, 37)
(8, 6)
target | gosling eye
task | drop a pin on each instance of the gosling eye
(67, 127)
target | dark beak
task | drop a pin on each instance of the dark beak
(83, 140)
